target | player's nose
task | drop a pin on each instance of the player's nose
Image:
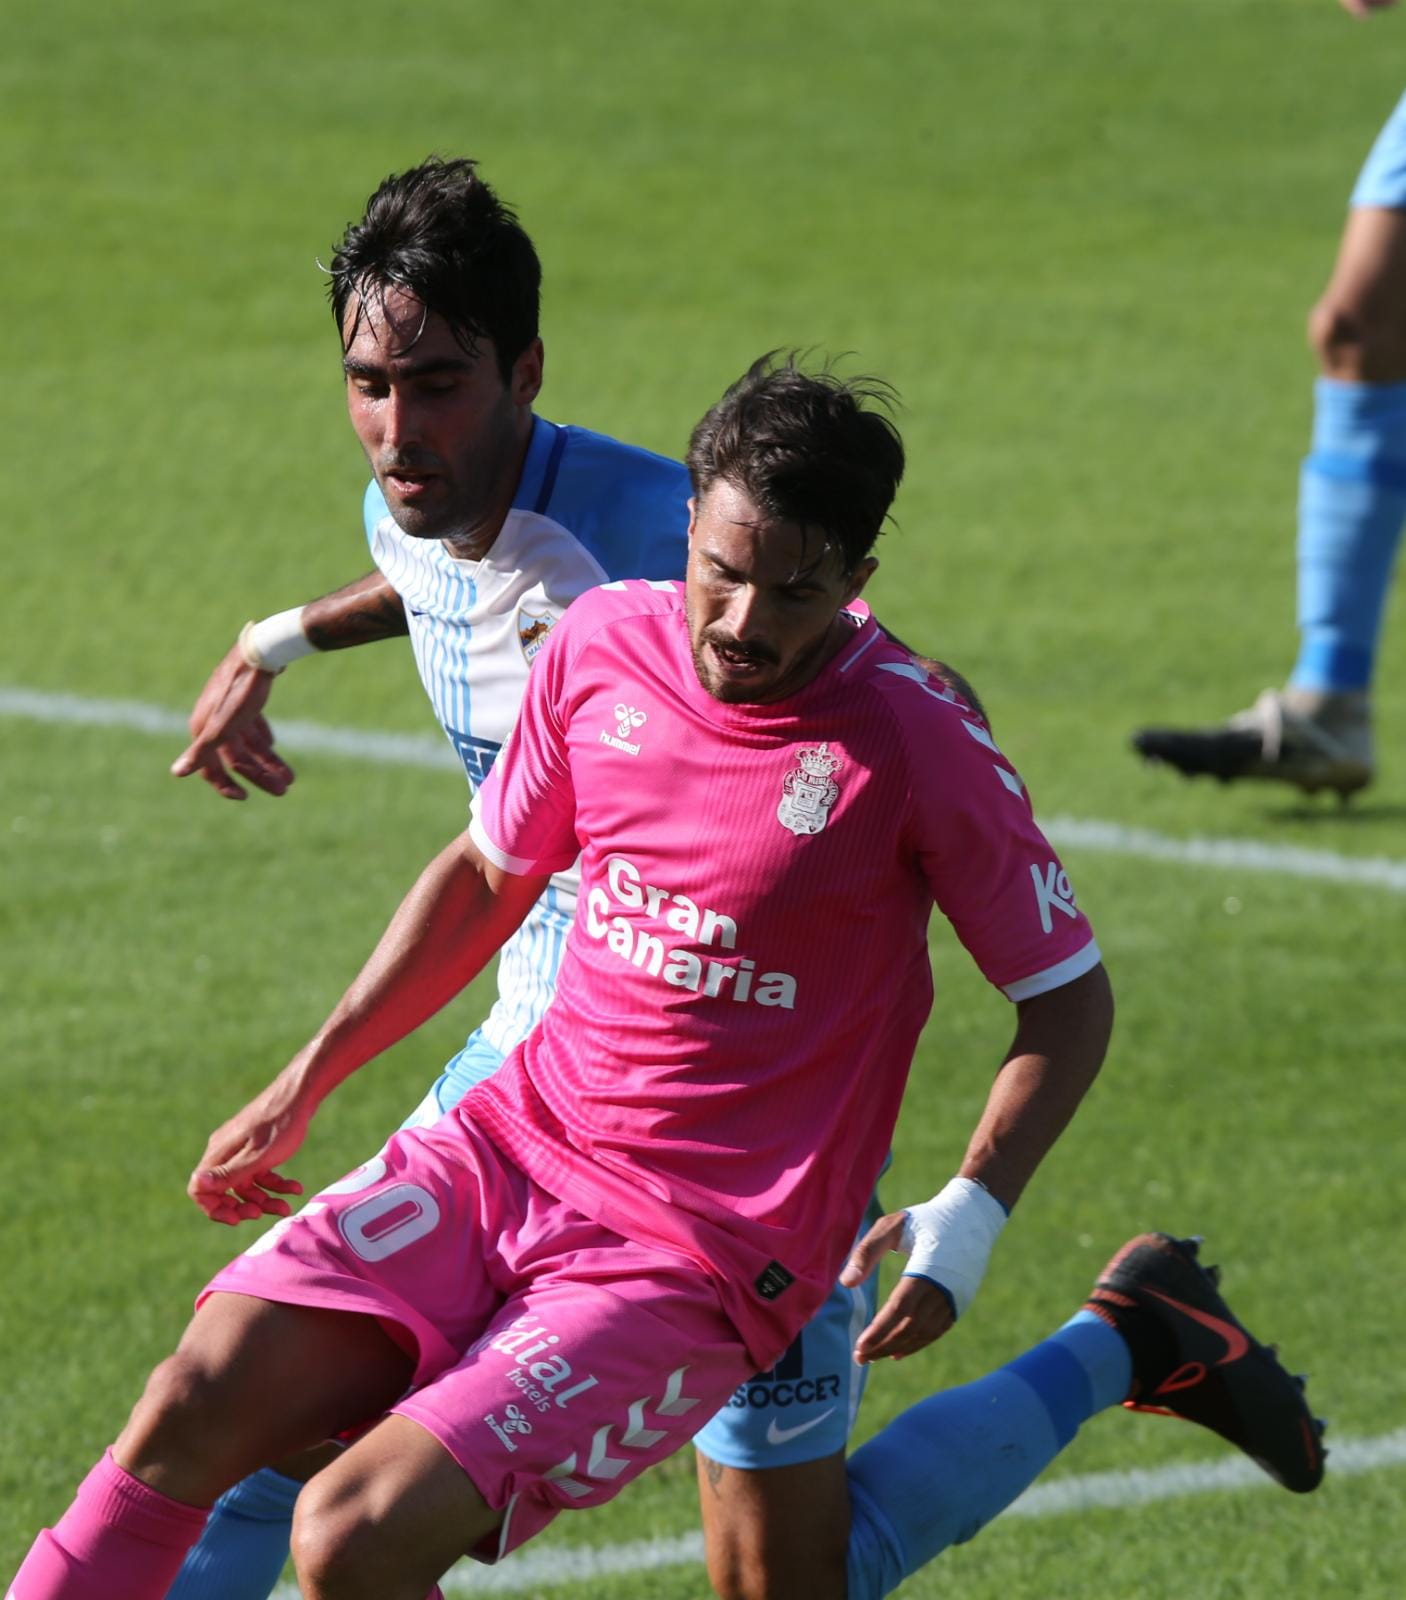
(743, 618)
(398, 421)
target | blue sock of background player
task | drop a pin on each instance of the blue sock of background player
(1317, 732)
(245, 1543)
(1352, 504)
(945, 1467)
(1352, 500)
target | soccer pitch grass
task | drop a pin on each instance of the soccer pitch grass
(1081, 240)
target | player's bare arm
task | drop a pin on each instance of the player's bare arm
(446, 930)
(1364, 8)
(1060, 1041)
(361, 613)
(230, 737)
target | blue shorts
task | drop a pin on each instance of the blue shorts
(1382, 181)
(804, 1408)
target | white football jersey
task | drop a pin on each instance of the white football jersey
(588, 509)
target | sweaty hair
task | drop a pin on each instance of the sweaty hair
(441, 233)
(804, 449)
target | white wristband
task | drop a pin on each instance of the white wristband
(950, 1237)
(270, 645)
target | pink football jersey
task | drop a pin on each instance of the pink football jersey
(748, 973)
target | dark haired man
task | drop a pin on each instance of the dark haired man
(485, 521)
(657, 1188)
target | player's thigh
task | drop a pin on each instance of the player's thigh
(587, 1376)
(771, 1476)
(250, 1382)
(389, 1517)
(1358, 327)
(776, 1533)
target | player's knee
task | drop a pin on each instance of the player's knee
(1334, 335)
(1358, 340)
(759, 1570)
(345, 1546)
(334, 1550)
(732, 1579)
(180, 1414)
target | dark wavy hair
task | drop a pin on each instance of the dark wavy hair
(440, 232)
(805, 449)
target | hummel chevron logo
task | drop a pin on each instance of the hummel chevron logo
(1236, 1342)
(776, 1434)
(603, 1466)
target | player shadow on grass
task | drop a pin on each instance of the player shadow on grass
(1357, 813)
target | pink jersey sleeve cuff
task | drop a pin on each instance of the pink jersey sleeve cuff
(519, 866)
(1054, 977)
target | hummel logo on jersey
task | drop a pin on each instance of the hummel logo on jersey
(1052, 890)
(776, 1434)
(513, 1422)
(627, 719)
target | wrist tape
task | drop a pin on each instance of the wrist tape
(950, 1237)
(269, 646)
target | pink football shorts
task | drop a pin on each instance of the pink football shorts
(555, 1360)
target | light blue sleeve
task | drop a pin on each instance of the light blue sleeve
(1382, 181)
(628, 506)
(373, 508)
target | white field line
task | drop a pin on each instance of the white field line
(384, 749)
(543, 1568)
(1239, 855)
(428, 750)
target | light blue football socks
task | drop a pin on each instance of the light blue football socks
(944, 1468)
(245, 1543)
(1352, 504)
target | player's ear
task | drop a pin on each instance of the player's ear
(527, 374)
(692, 516)
(859, 577)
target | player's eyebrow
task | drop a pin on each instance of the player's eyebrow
(354, 367)
(801, 579)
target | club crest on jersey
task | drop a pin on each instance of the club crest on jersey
(808, 791)
(532, 629)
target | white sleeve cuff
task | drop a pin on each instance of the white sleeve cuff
(1057, 976)
(519, 866)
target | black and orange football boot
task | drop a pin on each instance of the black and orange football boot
(1193, 1358)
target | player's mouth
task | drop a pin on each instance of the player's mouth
(739, 665)
(410, 486)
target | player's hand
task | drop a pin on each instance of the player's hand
(915, 1314)
(1363, 8)
(229, 734)
(236, 1180)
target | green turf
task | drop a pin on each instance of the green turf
(1081, 238)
